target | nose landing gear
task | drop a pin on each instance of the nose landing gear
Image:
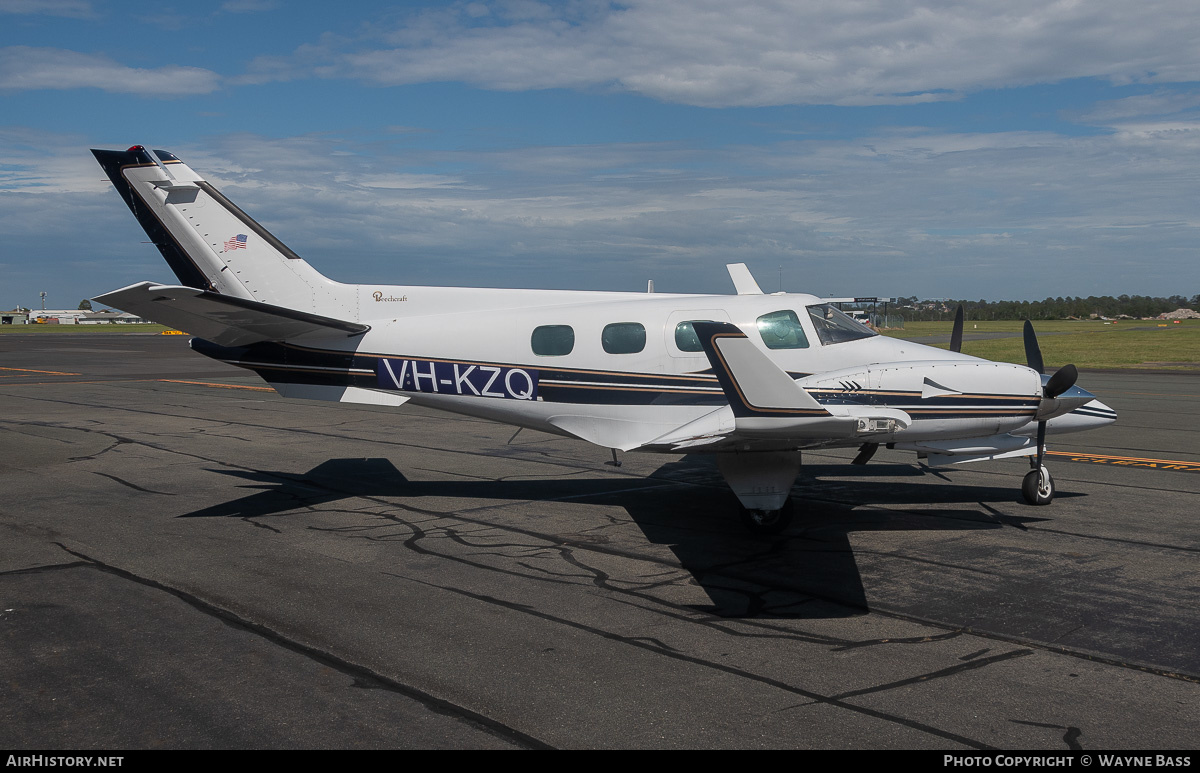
(1038, 487)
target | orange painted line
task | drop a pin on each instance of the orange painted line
(1161, 464)
(48, 372)
(1122, 458)
(219, 386)
(105, 381)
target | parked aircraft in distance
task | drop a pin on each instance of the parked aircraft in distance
(752, 378)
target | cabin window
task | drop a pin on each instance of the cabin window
(623, 338)
(835, 327)
(552, 340)
(782, 330)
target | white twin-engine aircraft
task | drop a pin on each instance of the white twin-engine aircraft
(752, 378)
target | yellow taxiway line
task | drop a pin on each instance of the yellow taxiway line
(49, 372)
(1129, 461)
(219, 386)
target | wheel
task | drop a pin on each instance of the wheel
(1038, 487)
(767, 522)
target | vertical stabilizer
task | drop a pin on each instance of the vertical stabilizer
(213, 245)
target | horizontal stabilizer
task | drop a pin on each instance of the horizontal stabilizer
(222, 319)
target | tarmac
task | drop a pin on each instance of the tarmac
(188, 560)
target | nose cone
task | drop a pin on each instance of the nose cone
(1096, 412)
(1091, 415)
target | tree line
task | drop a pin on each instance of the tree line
(1050, 308)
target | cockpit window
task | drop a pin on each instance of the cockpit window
(782, 330)
(686, 338)
(834, 327)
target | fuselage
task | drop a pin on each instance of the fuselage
(619, 370)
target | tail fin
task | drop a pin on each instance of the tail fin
(213, 245)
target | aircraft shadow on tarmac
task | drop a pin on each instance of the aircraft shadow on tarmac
(809, 571)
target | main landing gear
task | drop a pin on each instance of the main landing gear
(767, 522)
(762, 482)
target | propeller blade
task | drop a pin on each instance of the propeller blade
(1061, 381)
(956, 335)
(1033, 352)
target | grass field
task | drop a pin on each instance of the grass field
(1086, 343)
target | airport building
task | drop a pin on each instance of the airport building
(82, 317)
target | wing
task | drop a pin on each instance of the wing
(767, 408)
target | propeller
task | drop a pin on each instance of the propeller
(1062, 380)
(1033, 352)
(956, 334)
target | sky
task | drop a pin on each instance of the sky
(967, 150)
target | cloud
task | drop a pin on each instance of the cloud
(704, 52)
(249, 6)
(43, 165)
(907, 211)
(78, 9)
(1010, 214)
(25, 68)
(1157, 104)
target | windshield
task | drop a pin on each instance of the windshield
(834, 327)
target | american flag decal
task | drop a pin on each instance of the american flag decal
(236, 243)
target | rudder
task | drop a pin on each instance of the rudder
(213, 245)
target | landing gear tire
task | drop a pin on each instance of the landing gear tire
(1038, 487)
(767, 522)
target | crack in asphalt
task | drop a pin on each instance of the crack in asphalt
(133, 486)
(939, 674)
(361, 675)
(642, 643)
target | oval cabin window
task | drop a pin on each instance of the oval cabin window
(552, 340)
(623, 338)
